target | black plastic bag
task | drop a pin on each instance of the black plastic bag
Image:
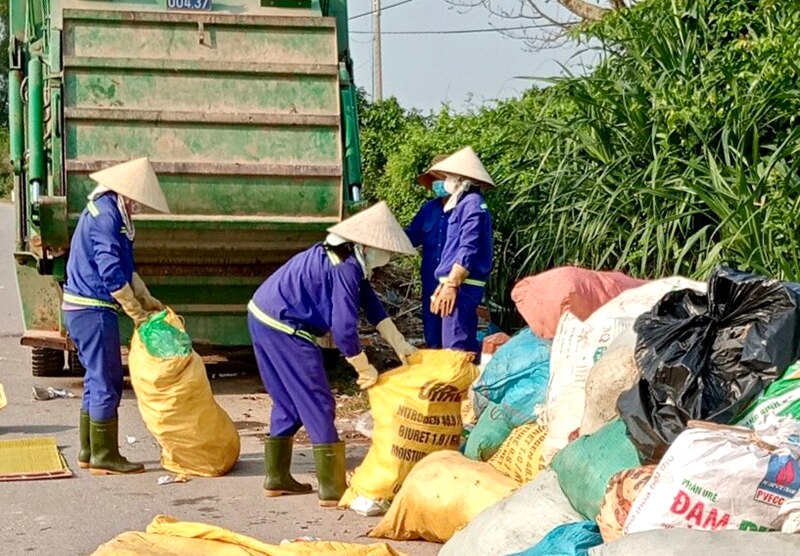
(708, 356)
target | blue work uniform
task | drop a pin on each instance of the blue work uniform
(100, 262)
(429, 230)
(469, 243)
(313, 293)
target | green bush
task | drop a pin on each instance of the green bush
(678, 152)
(6, 173)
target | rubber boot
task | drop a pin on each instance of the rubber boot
(85, 453)
(331, 466)
(106, 459)
(278, 463)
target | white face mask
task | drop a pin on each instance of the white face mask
(375, 258)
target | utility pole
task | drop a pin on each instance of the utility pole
(377, 70)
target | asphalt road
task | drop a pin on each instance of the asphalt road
(75, 515)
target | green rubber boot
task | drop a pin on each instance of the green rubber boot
(278, 464)
(85, 453)
(331, 467)
(106, 459)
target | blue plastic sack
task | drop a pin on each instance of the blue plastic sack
(516, 378)
(572, 539)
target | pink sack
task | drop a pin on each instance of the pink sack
(542, 299)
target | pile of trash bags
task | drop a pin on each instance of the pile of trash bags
(630, 417)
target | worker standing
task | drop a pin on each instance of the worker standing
(100, 280)
(320, 290)
(466, 260)
(428, 230)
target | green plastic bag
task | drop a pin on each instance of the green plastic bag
(586, 465)
(163, 340)
(489, 433)
(782, 397)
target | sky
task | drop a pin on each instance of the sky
(462, 70)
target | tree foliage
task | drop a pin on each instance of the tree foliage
(677, 153)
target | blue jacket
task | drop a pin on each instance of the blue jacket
(100, 255)
(429, 229)
(469, 239)
(316, 293)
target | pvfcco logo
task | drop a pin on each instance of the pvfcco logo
(781, 482)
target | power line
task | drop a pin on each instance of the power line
(389, 7)
(455, 31)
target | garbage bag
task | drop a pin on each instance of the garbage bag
(690, 542)
(516, 378)
(175, 399)
(716, 477)
(623, 488)
(162, 339)
(416, 411)
(488, 435)
(580, 344)
(167, 536)
(515, 523)
(782, 398)
(708, 356)
(543, 298)
(586, 465)
(443, 493)
(572, 539)
(520, 456)
(616, 372)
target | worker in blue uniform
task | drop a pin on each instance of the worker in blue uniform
(318, 291)
(466, 259)
(100, 280)
(428, 230)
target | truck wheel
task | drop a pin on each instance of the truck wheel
(74, 364)
(47, 362)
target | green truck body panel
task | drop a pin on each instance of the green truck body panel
(247, 113)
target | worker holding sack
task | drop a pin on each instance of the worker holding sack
(320, 290)
(428, 230)
(466, 259)
(100, 280)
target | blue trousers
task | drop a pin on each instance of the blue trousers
(460, 328)
(293, 374)
(95, 333)
(431, 324)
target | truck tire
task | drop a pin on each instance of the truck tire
(74, 364)
(47, 362)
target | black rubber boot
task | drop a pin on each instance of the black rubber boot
(106, 459)
(331, 467)
(85, 453)
(278, 464)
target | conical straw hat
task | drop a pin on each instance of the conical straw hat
(135, 180)
(464, 163)
(375, 227)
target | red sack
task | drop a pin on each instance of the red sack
(542, 299)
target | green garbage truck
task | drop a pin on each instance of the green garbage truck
(247, 110)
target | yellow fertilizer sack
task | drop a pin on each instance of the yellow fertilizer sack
(416, 410)
(174, 395)
(167, 536)
(520, 456)
(442, 495)
(3, 400)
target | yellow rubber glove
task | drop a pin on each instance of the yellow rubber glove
(126, 298)
(367, 374)
(390, 333)
(141, 292)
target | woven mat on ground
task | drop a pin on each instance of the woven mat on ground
(29, 459)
